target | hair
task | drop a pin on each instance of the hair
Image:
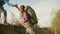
(22, 6)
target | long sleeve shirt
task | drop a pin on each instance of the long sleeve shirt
(6, 2)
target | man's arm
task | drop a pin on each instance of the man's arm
(10, 4)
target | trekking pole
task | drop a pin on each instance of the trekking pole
(0, 15)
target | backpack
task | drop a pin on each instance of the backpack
(32, 14)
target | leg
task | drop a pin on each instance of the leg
(28, 28)
(32, 26)
(5, 16)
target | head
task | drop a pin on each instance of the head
(22, 8)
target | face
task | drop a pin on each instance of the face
(21, 9)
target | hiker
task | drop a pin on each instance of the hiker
(2, 2)
(26, 19)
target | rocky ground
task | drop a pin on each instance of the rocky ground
(10, 29)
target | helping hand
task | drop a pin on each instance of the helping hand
(16, 5)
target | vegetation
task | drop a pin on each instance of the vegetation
(56, 22)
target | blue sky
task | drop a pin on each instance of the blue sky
(43, 9)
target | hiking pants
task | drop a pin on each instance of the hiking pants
(28, 28)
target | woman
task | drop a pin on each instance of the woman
(26, 18)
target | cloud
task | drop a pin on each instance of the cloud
(45, 21)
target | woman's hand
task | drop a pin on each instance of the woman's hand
(16, 5)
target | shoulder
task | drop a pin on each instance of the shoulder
(25, 13)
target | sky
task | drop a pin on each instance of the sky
(43, 9)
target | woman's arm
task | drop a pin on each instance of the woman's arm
(17, 7)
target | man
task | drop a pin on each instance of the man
(2, 2)
(26, 20)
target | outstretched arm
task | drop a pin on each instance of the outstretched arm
(10, 4)
(17, 7)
